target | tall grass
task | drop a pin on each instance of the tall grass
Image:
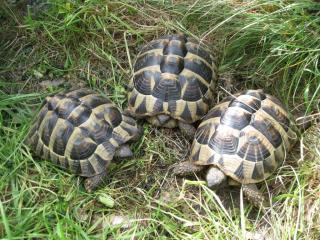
(274, 44)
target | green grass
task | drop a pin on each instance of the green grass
(269, 44)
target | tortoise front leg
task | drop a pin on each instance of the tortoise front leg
(253, 194)
(187, 129)
(186, 168)
(92, 183)
(123, 151)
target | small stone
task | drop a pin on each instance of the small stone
(54, 83)
(82, 215)
(37, 74)
(106, 200)
(120, 220)
(102, 222)
(254, 236)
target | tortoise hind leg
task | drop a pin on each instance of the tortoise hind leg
(186, 168)
(187, 129)
(92, 183)
(162, 120)
(123, 151)
(216, 178)
(252, 193)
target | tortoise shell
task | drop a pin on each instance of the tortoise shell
(80, 131)
(247, 136)
(173, 75)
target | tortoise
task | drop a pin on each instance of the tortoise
(82, 131)
(173, 83)
(242, 140)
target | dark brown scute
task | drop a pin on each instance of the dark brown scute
(167, 90)
(129, 120)
(75, 166)
(186, 114)
(147, 61)
(201, 110)
(223, 144)
(48, 128)
(199, 68)
(178, 37)
(155, 44)
(131, 131)
(100, 132)
(158, 106)
(195, 157)
(258, 172)
(83, 114)
(253, 150)
(95, 101)
(77, 93)
(193, 91)
(236, 118)
(268, 166)
(142, 82)
(82, 147)
(101, 163)
(227, 99)
(64, 164)
(255, 93)
(52, 103)
(108, 146)
(175, 48)
(278, 116)
(202, 86)
(114, 116)
(63, 134)
(239, 172)
(199, 51)
(142, 108)
(211, 160)
(276, 101)
(132, 99)
(118, 138)
(86, 168)
(252, 106)
(43, 112)
(172, 106)
(65, 107)
(171, 64)
(202, 134)
(214, 112)
(267, 128)
(38, 148)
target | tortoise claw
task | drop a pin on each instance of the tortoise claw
(252, 193)
(92, 183)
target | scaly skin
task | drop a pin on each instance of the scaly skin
(187, 129)
(92, 183)
(253, 194)
(186, 168)
(123, 151)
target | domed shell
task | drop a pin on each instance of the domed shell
(247, 136)
(80, 131)
(173, 75)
